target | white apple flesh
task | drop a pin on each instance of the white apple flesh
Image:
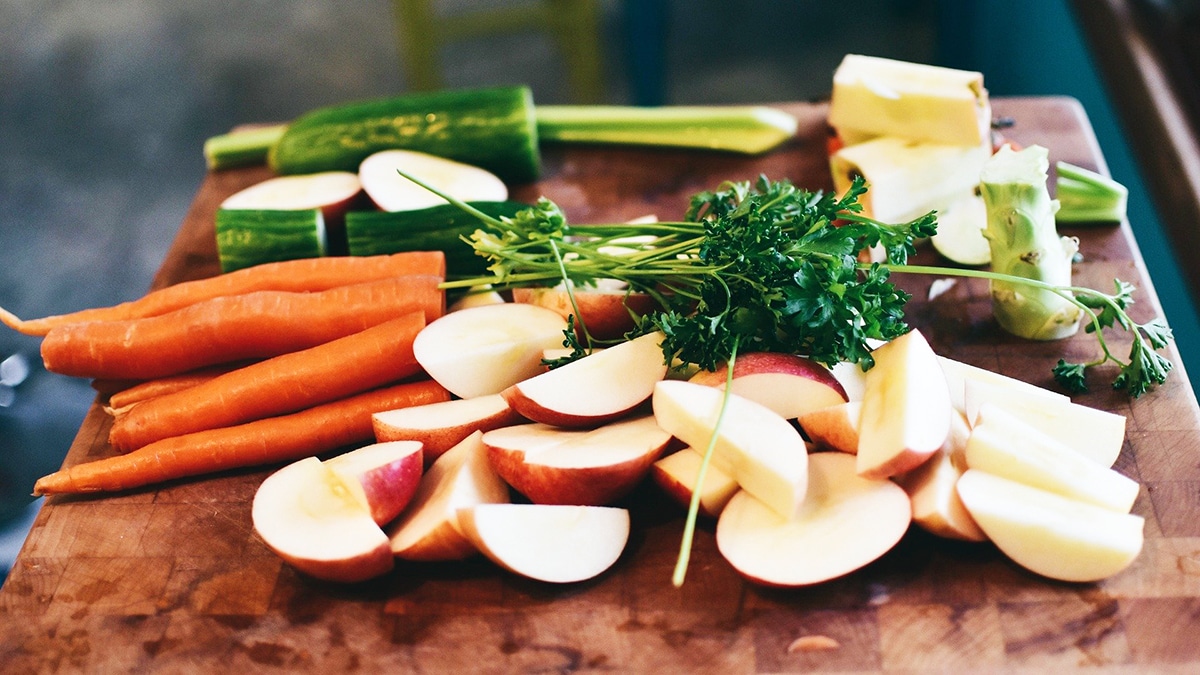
(392, 192)
(932, 488)
(595, 389)
(958, 374)
(383, 476)
(333, 192)
(552, 543)
(790, 385)
(677, 475)
(845, 523)
(484, 350)
(1048, 534)
(596, 467)
(834, 427)
(761, 451)
(442, 425)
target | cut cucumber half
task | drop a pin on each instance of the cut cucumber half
(248, 237)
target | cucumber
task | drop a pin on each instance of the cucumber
(247, 237)
(494, 129)
(434, 228)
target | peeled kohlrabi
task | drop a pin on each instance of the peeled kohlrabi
(1024, 243)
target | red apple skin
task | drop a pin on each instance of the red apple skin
(834, 427)
(777, 363)
(387, 487)
(437, 441)
(530, 409)
(604, 313)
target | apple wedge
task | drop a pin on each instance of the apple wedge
(677, 473)
(958, 374)
(790, 385)
(852, 378)
(552, 543)
(484, 350)
(906, 408)
(333, 192)
(1097, 434)
(1048, 534)
(442, 425)
(833, 427)
(1004, 445)
(598, 388)
(607, 314)
(932, 488)
(596, 467)
(383, 477)
(846, 522)
(460, 478)
(761, 451)
(392, 192)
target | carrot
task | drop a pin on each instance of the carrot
(273, 440)
(310, 274)
(254, 325)
(121, 399)
(283, 384)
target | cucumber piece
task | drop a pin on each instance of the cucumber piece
(434, 228)
(493, 129)
(748, 130)
(247, 237)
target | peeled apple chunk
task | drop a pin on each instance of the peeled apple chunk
(845, 523)
(553, 543)
(1048, 534)
(392, 192)
(330, 191)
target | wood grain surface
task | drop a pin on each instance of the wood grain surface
(174, 579)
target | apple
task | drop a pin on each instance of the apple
(554, 543)
(790, 385)
(677, 474)
(460, 478)
(595, 389)
(845, 522)
(1004, 445)
(442, 425)
(383, 477)
(906, 408)
(1097, 434)
(833, 427)
(852, 378)
(484, 350)
(936, 507)
(311, 516)
(476, 296)
(762, 451)
(596, 467)
(958, 374)
(608, 314)
(1048, 534)
(333, 192)
(393, 192)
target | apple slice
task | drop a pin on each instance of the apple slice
(906, 408)
(846, 522)
(1051, 535)
(758, 448)
(790, 385)
(1004, 445)
(676, 474)
(392, 192)
(608, 314)
(476, 296)
(600, 387)
(552, 465)
(383, 477)
(442, 425)
(931, 487)
(305, 514)
(852, 378)
(1097, 434)
(483, 350)
(958, 374)
(333, 192)
(833, 427)
(553, 543)
(460, 478)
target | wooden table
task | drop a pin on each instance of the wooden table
(174, 579)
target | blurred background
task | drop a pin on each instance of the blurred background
(104, 108)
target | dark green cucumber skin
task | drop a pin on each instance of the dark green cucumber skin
(248, 237)
(434, 228)
(493, 128)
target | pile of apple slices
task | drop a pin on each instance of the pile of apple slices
(529, 466)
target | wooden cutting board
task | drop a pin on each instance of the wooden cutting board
(174, 579)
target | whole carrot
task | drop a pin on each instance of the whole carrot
(310, 274)
(273, 440)
(122, 398)
(254, 325)
(282, 384)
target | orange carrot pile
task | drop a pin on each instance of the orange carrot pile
(255, 325)
(333, 370)
(273, 440)
(121, 398)
(306, 275)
